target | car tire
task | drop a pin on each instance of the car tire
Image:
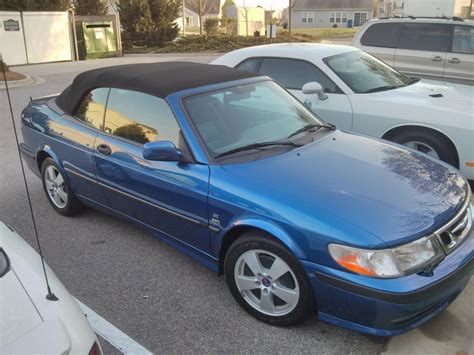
(421, 140)
(57, 190)
(283, 300)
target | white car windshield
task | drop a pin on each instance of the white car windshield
(245, 115)
(365, 74)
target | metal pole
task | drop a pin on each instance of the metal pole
(74, 35)
(24, 37)
(184, 22)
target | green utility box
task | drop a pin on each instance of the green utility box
(96, 39)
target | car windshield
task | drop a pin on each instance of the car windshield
(248, 115)
(365, 74)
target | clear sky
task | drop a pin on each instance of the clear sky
(267, 4)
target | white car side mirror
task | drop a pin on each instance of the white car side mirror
(314, 87)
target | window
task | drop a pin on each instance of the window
(338, 17)
(250, 65)
(188, 21)
(92, 108)
(463, 39)
(425, 37)
(382, 35)
(344, 17)
(246, 114)
(140, 117)
(293, 74)
(360, 18)
(364, 73)
(307, 17)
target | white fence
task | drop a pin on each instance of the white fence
(35, 37)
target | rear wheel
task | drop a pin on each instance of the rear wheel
(430, 143)
(267, 280)
(57, 190)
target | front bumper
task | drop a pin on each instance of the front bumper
(388, 307)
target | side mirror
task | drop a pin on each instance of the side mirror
(161, 151)
(312, 88)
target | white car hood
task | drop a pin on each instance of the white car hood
(25, 313)
(18, 314)
(433, 95)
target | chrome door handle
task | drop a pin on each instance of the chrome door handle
(436, 58)
(454, 60)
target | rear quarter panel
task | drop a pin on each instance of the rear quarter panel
(63, 138)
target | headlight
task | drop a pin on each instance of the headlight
(4, 263)
(392, 262)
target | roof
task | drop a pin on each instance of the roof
(304, 51)
(208, 6)
(333, 4)
(158, 79)
(456, 20)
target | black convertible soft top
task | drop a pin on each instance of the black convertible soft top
(159, 79)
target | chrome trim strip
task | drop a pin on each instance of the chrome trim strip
(80, 175)
(176, 214)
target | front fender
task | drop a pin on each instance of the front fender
(268, 227)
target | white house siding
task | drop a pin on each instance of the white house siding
(322, 18)
(192, 19)
(427, 8)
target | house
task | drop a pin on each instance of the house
(209, 8)
(247, 20)
(425, 8)
(334, 13)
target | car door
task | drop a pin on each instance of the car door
(77, 135)
(169, 196)
(381, 40)
(460, 59)
(294, 73)
(422, 49)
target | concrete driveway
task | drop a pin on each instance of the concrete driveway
(162, 299)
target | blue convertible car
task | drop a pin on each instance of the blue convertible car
(231, 169)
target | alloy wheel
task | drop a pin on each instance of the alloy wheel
(266, 282)
(56, 187)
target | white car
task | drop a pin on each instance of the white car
(357, 92)
(30, 323)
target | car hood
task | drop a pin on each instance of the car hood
(433, 95)
(391, 193)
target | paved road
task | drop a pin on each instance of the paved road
(164, 300)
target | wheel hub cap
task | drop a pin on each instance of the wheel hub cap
(266, 282)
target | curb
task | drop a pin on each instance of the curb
(29, 80)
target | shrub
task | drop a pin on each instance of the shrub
(3, 64)
(211, 26)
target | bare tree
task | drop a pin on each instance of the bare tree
(203, 8)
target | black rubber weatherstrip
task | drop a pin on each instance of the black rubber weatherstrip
(401, 298)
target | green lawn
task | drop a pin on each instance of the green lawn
(327, 33)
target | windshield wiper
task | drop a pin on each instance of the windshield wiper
(312, 126)
(257, 146)
(382, 88)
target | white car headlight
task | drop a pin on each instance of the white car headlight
(394, 262)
